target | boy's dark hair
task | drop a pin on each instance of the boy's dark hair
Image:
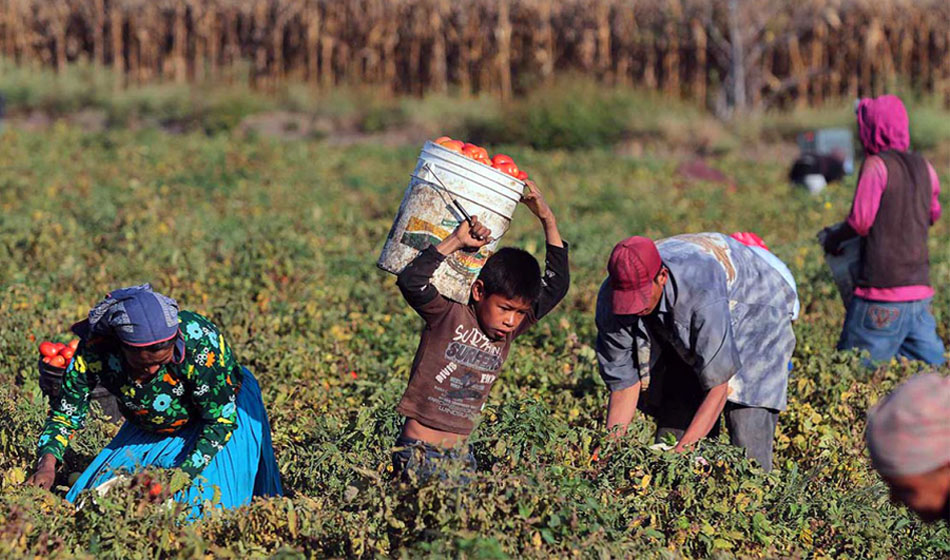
(512, 273)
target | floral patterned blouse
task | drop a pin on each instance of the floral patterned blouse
(201, 388)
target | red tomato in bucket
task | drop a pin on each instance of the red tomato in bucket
(48, 349)
(508, 168)
(67, 353)
(74, 343)
(441, 139)
(57, 361)
(454, 145)
(499, 159)
(474, 152)
(522, 175)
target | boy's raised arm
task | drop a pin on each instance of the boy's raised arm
(557, 275)
(535, 202)
(415, 281)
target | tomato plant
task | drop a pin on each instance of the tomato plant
(276, 242)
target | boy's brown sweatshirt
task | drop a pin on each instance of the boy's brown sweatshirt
(457, 363)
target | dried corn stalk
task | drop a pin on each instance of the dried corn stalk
(775, 53)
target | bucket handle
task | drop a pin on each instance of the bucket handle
(453, 201)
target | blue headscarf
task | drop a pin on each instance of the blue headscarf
(136, 316)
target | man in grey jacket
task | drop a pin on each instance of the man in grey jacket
(702, 324)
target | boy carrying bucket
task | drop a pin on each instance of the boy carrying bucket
(463, 347)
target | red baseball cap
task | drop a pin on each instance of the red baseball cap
(633, 265)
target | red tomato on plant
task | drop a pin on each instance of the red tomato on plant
(48, 349)
(57, 361)
(155, 490)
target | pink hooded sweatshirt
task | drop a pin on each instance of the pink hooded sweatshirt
(882, 125)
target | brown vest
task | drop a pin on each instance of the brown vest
(894, 253)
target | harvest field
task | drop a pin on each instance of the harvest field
(276, 241)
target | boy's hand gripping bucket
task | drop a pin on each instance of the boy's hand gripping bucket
(444, 186)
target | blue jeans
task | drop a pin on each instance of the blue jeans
(887, 329)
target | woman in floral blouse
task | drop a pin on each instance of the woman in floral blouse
(186, 402)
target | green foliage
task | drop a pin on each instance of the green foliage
(571, 112)
(578, 114)
(276, 242)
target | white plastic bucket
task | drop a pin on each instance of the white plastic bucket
(427, 215)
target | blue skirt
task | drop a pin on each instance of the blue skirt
(244, 468)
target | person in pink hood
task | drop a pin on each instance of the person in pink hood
(894, 206)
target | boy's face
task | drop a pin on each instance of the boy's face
(497, 315)
(927, 494)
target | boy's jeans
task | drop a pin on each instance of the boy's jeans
(426, 460)
(887, 329)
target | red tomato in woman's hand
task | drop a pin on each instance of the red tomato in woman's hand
(57, 361)
(48, 349)
(67, 353)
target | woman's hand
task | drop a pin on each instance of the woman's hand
(45, 473)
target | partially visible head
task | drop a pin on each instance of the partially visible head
(908, 436)
(143, 323)
(927, 494)
(883, 124)
(148, 359)
(637, 276)
(507, 287)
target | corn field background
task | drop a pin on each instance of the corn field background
(727, 53)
